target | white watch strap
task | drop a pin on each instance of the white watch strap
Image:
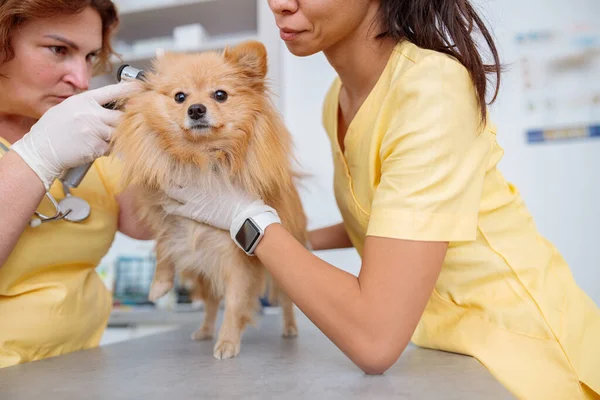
(264, 219)
(251, 212)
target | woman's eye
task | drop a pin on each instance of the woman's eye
(58, 50)
(180, 97)
(92, 58)
(220, 96)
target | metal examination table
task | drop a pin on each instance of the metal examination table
(171, 366)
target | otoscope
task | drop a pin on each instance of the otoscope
(71, 178)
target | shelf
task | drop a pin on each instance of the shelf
(218, 17)
(214, 44)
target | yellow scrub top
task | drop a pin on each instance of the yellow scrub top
(52, 301)
(418, 165)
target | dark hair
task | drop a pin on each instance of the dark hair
(15, 12)
(446, 26)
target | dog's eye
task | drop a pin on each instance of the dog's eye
(220, 96)
(180, 97)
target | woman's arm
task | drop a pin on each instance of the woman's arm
(69, 134)
(329, 238)
(370, 318)
(129, 224)
(20, 193)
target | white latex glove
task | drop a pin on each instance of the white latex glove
(72, 133)
(224, 207)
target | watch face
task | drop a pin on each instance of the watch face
(247, 235)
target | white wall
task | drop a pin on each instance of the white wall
(559, 181)
(305, 82)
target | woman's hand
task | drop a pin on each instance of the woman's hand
(223, 207)
(72, 133)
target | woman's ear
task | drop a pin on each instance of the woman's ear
(250, 56)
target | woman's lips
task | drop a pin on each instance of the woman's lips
(61, 97)
(288, 34)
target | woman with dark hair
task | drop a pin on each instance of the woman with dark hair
(51, 299)
(450, 255)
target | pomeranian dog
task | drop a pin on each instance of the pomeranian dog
(208, 120)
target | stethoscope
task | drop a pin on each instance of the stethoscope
(72, 208)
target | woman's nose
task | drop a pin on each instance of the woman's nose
(283, 6)
(78, 75)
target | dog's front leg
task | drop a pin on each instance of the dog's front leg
(243, 286)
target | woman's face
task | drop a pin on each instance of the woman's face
(310, 26)
(53, 60)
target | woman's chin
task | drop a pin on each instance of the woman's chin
(300, 49)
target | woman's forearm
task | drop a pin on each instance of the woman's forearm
(328, 296)
(331, 237)
(20, 194)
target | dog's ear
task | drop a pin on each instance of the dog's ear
(251, 56)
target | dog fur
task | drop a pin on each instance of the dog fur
(243, 142)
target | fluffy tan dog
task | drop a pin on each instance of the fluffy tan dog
(207, 119)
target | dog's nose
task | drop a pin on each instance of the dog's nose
(196, 111)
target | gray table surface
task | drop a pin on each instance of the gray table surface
(171, 365)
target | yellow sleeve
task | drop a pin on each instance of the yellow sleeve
(110, 169)
(433, 156)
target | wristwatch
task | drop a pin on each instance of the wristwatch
(252, 230)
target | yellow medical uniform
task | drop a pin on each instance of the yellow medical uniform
(418, 165)
(52, 301)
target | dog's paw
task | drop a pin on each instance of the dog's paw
(224, 350)
(202, 334)
(290, 331)
(159, 289)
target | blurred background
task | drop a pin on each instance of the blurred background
(547, 114)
